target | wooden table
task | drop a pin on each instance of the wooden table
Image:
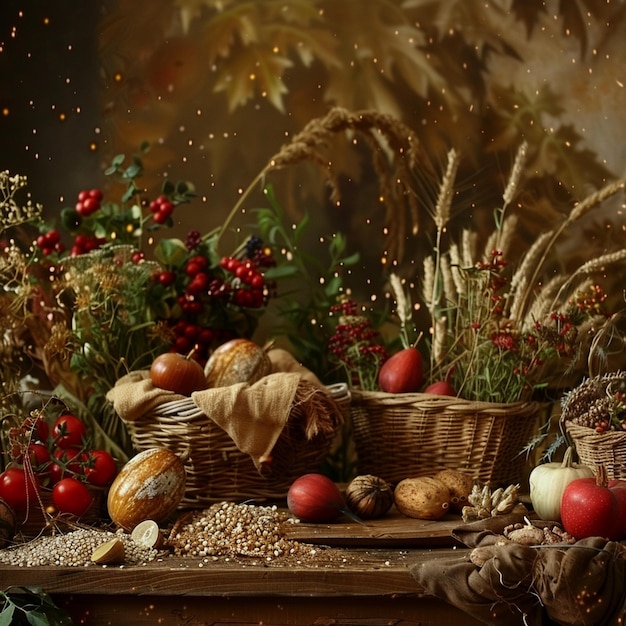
(360, 586)
(373, 589)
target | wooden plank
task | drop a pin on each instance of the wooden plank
(393, 530)
(94, 610)
(352, 572)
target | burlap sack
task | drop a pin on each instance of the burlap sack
(573, 585)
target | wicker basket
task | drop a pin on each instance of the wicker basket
(407, 435)
(217, 470)
(593, 449)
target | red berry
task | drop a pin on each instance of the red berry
(89, 206)
(159, 217)
(192, 268)
(96, 194)
(166, 278)
(256, 281)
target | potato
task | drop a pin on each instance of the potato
(422, 498)
(460, 485)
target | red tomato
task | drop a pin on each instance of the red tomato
(38, 427)
(100, 468)
(71, 496)
(18, 490)
(38, 454)
(69, 432)
(66, 462)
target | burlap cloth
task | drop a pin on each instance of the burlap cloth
(582, 584)
(254, 416)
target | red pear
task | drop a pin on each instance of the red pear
(402, 372)
(440, 388)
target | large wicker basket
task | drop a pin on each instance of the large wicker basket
(593, 449)
(408, 435)
(217, 469)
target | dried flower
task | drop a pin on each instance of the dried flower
(504, 333)
(356, 345)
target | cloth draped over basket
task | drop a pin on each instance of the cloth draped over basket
(581, 584)
(240, 441)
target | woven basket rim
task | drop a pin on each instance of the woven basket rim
(586, 431)
(430, 401)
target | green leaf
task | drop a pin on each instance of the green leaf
(37, 619)
(301, 227)
(6, 615)
(170, 252)
(281, 271)
(132, 171)
(167, 188)
(351, 260)
(118, 159)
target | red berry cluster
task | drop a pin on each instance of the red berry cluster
(245, 285)
(50, 242)
(161, 209)
(205, 293)
(355, 344)
(88, 202)
(86, 243)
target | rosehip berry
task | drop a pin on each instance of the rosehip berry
(256, 281)
(96, 194)
(166, 278)
(192, 268)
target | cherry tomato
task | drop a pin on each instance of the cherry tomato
(65, 463)
(17, 489)
(68, 431)
(100, 468)
(38, 427)
(38, 454)
(71, 496)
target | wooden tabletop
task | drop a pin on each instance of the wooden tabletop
(360, 575)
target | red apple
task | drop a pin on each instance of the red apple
(315, 498)
(402, 372)
(177, 373)
(590, 507)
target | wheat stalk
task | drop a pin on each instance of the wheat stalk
(597, 264)
(396, 152)
(455, 268)
(516, 175)
(582, 208)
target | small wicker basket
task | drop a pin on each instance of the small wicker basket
(415, 434)
(215, 467)
(593, 449)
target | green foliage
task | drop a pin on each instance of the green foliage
(317, 280)
(30, 605)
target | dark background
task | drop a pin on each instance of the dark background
(49, 71)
